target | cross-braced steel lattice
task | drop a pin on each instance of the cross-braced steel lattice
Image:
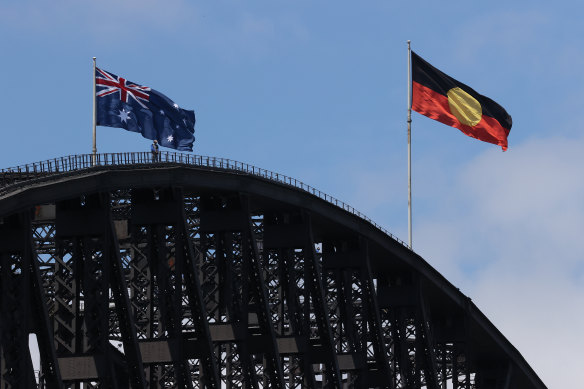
(174, 277)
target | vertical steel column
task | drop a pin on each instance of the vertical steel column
(314, 281)
(123, 308)
(243, 293)
(224, 270)
(156, 211)
(394, 292)
(345, 302)
(208, 273)
(288, 235)
(83, 268)
(15, 318)
(375, 328)
(347, 260)
(50, 372)
(298, 321)
(95, 281)
(350, 313)
(259, 290)
(425, 329)
(186, 253)
(66, 319)
(234, 301)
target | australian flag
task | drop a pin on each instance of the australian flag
(124, 104)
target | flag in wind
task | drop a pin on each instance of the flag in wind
(442, 98)
(124, 104)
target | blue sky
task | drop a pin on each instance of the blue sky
(317, 91)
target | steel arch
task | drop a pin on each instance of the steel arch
(177, 274)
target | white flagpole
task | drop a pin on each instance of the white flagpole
(409, 145)
(94, 150)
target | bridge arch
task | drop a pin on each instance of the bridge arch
(204, 272)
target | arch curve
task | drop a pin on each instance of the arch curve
(178, 274)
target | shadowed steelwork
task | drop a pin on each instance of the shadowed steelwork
(199, 272)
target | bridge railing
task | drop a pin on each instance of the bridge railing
(19, 176)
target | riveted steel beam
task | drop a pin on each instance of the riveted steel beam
(382, 363)
(193, 288)
(259, 290)
(15, 302)
(426, 332)
(422, 333)
(314, 281)
(123, 307)
(156, 212)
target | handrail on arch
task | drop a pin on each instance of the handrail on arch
(14, 177)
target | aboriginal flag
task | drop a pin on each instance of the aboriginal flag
(442, 98)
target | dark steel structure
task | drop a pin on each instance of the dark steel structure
(197, 272)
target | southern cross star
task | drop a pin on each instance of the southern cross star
(124, 115)
(162, 112)
(169, 138)
(175, 105)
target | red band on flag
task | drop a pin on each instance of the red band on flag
(435, 106)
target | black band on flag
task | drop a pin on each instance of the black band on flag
(442, 98)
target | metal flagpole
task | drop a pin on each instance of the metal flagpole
(409, 145)
(94, 150)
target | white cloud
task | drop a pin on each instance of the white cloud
(539, 312)
(509, 234)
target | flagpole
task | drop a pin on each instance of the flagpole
(409, 145)
(94, 150)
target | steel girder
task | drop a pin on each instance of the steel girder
(167, 286)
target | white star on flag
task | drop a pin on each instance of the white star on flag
(162, 112)
(124, 115)
(169, 138)
(175, 105)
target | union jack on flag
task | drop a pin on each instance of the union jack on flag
(133, 107)
(110, 83)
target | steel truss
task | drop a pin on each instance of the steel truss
(170, 287)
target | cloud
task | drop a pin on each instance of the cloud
(539, 312)
(509, 234)
(533, 195)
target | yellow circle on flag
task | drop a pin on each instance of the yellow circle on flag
(465, 107)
